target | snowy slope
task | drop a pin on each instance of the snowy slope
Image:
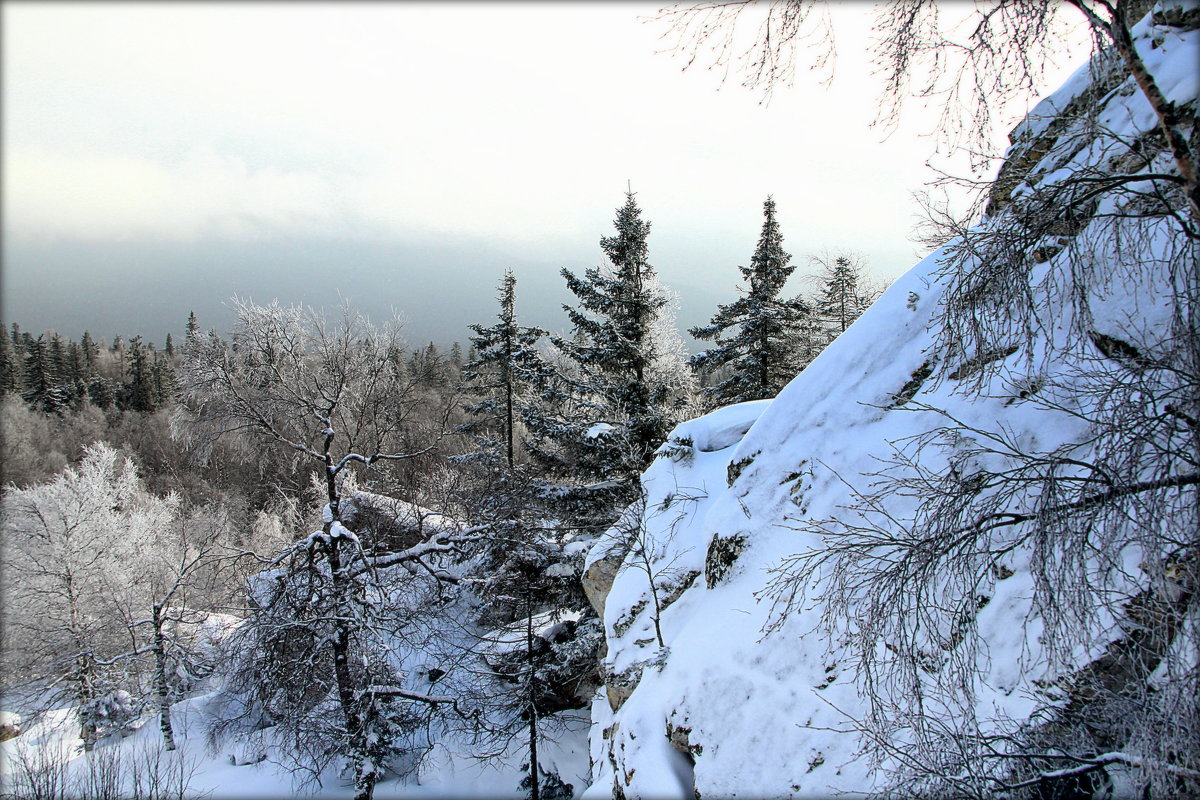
(742, 701)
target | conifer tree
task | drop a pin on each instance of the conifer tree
(505, 366)
(100, 392)
(162, 377)
(191, 332)
(10, 367)
(75, 371)
(139, 392)
(91, 351)
(623, 393)
(843, 299)
(763, 338)
(41, 378)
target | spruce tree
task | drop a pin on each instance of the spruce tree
(10, 367)
(41, 378)
(505, 367)
(763, 338)
(842, 300)
(604, 420)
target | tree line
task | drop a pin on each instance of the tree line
(390, 494)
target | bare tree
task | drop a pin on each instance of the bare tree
(69, 546)
(337, 395)
(191, 561)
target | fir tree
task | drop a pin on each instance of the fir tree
(139, 392)
(162, 376)
(428, 367)
(763, 339)
(100, 392)
(56, 351)
(75, 371)
(191, 333)
(91, 351)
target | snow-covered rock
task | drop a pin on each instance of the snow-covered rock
(741, 699)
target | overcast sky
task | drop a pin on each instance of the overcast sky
(159, 158)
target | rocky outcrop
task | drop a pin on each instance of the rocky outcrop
(755, 688)
(598, 577)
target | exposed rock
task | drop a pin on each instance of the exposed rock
(599, 576)
(722, 553)
(10, 725)
(678, 736)
(673, 590)
(619, 686)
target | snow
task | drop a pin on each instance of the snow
(765, 703)
(512, 637)
(598, 430)
(247, 766)
(721, 428)
(773, 713)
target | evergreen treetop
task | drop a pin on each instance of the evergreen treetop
(763, 338)
(615, 397)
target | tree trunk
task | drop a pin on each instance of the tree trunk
(1169, 116)
(85, 671)
(160, 678)
(533, 732)
(364, 781)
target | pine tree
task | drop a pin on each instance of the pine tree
(624, 393)
(764, 339)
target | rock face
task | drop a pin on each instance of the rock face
(10, 725)
(754, 690)
(598, 577)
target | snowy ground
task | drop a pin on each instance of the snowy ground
(232, 770)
